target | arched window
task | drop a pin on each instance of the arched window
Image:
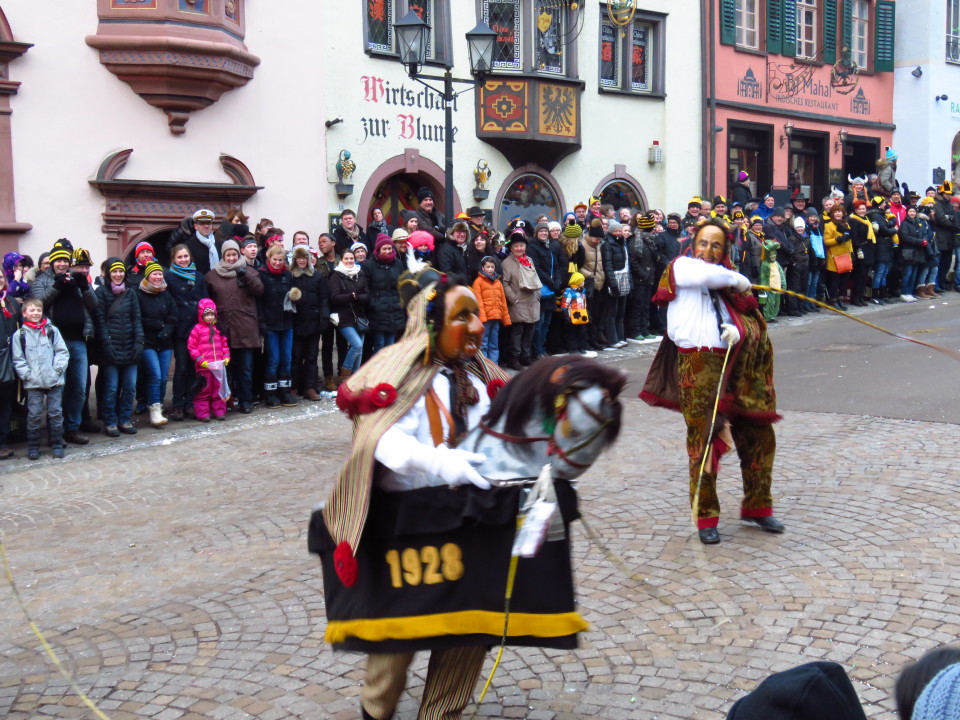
(529, 195)
(622, 194)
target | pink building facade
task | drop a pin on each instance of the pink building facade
(799, 93)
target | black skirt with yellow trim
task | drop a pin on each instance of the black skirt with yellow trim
(432, 570)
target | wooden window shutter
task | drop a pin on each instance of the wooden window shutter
(883, 55)
(789, 24)
(830, 31)
(847, 29)
(728, 22)
(775, 26)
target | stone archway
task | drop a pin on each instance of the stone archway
(619, 174)
(410, 163)
(135, 209)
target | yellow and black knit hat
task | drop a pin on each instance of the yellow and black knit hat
(59, 253)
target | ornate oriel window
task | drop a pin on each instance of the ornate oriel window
(178, 55)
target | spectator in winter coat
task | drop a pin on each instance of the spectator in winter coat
(642, 252)
(349, 295)
(741, 192)
(494, 312)
(70, 305)
(348, 232)
(521, 284)
(385, 311)
(143, 254)
(913, 245)
(594, 278)
(187, 286)
(9, 321)
(450, 255)
(158, 316)
(428, 218)
(480, 247)
(121, 347)
(309, 322)
(211, 353)
(235, 286)
(234, 226)
(885, 229)
(887, 172)
(277, 306)
(40, 358)
(13, 271)
(617, 271)
(197, 234)
(551, 280)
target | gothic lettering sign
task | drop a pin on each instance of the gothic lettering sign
(412, 113)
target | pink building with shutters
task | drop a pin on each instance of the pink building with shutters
(798, 93)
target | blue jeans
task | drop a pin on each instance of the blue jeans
(75, 386)
(277, 351)
(241, 374)
(124, 378)
(540, 331)
(908, 280)
(156, 367)
(927, 272)
(880, 272)
(355, 340)
(490, 344)
(382, 339)
(812, 284)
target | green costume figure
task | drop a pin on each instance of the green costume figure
(771, 275)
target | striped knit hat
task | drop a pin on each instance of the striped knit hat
(115, 263)
(60, 253)
(152, 267)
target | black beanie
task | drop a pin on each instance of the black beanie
(424, 193)
(808, 692)
(596, 229)
(778, 211)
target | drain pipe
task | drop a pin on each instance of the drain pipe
(707, 131)
(712, 121)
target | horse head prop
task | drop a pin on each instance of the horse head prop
(562, 410)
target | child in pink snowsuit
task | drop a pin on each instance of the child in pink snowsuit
(209, 349)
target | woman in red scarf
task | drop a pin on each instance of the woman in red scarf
(522, 287)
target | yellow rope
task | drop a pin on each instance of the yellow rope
(946, 351)
(43, 641)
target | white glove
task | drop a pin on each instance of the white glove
(455, 467)
(730, 334)
(743, 283)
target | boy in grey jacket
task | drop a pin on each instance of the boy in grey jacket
(40, 358)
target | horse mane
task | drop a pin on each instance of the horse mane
(534, 390)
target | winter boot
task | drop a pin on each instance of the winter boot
(932, 291)
(287, 398)
(33, 445)
(344, 375)
(921, 292)
(270, 397)
(156, 415)
(329, 384)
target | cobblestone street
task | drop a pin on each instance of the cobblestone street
(173, 578)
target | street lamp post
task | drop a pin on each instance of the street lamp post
(412, 36)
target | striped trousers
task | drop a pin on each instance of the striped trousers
(451, 677)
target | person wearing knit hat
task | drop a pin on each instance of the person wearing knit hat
(887, 172)
(741, 192)
(121, 347)
(69, 303)
(940, 699)
(450, 255)
(814, 691)
(82, 257)
(916, 677)
(642, 249)
(693, 210)
(580, 212)
(429, 219)
(143, 253)
(572, 231)
(385, 311)
(688, 374)
(309, 322)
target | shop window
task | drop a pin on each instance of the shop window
(380, 15)
(621, 194)
(631, 60)
(529, 196)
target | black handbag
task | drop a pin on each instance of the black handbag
(7, 374)
(363, 325)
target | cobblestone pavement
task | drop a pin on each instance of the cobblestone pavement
(173, 578)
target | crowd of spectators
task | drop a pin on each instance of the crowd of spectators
(280, 323)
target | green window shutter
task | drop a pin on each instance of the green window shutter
(847, 29)
(789, 28)
(883, 55)
(728, 22)
(830, 31)
(775, 26)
